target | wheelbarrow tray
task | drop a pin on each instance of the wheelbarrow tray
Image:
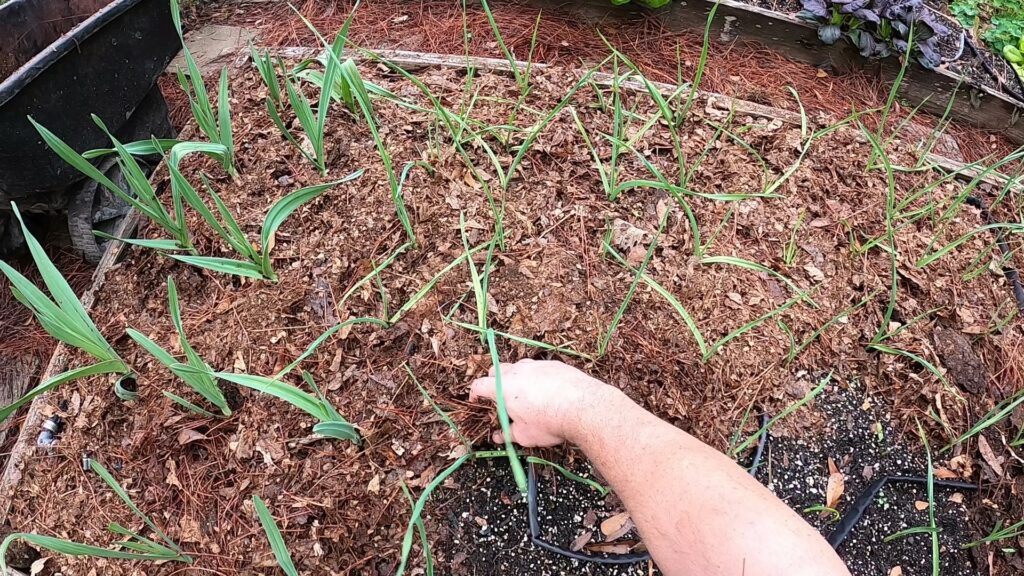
(61, 62)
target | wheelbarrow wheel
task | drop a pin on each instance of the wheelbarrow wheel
(93, 207)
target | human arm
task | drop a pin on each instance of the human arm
(698, 512)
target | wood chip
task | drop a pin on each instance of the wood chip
(581, 541)
(834, 489)
(373, 486)
(814, 273)
(957, 498)
(896, 571)
(610, 548)
(187, 436)
(612, 525)
(621, 531)
(921, 505)
(989, 456)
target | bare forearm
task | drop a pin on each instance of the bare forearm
(698, 512)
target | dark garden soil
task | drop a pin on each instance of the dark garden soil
(340, 506)
(487, 533)
(858, 437)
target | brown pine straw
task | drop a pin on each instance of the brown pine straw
(742, 69)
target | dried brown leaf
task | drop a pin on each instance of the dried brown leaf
(989, 456)
(834, 489)
(612, 525)
(187, 436)
(581, 541)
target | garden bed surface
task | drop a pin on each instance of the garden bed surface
(339, 505)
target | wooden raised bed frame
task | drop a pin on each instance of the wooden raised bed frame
(977, 106)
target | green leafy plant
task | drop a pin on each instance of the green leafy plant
(62, 315)
(999, 532)
(198, 379)
(314, 124)
(277, 545)
(506, 427)
(215, 123)
(602, 345)
(329, 422)
(141, 548)
(999, 23)
(1015, 56)
(356, 94)
(141, 196)
(257, 263)
(267, 70)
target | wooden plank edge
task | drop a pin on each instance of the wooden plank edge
(796, 39)
(25, 445)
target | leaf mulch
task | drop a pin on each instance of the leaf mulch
(340, 506)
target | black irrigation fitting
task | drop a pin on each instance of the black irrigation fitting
(1012, 276)
(761, 443)
(535, 536)
(864, 500)
(52, 427)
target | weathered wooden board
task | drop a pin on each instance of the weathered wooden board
(795, 39)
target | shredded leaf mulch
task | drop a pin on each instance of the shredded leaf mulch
(340, 506)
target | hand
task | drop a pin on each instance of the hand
(544, 400)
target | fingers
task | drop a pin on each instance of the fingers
(483, 388)
(505, 367)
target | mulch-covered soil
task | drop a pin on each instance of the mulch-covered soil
(568, 36)
(340, 506)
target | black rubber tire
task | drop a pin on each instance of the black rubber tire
(93, 207)
(12, 242)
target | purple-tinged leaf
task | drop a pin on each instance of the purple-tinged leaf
(928, 56)
(867, 15)
(853, 6)
(830, 34)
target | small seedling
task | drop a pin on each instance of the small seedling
(999, 533)
(214, 123)
(790, 250)
(822, 510)
(62, 315)
(257, 263)
(142, 548)
(198, 379)
(277, 545)
(753, 438)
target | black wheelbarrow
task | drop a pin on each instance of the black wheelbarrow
(60, 62)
